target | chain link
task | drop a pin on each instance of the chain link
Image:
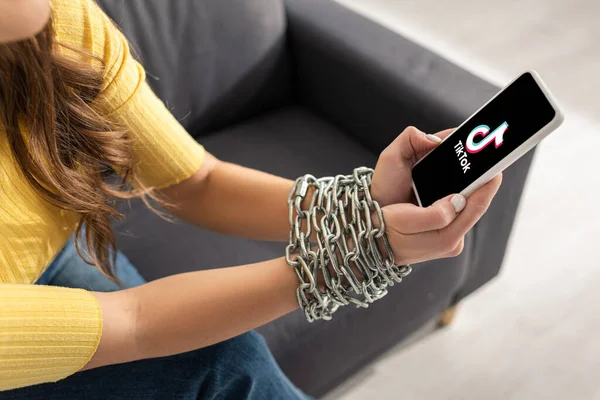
(352, 261)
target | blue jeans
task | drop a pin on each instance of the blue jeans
(238, 368)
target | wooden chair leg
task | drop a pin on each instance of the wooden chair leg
(447, 316)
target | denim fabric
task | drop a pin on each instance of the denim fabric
(70, 270)
(238, 368)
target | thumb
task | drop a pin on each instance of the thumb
(425, 143)
(412, 144)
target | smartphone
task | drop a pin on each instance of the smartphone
(495, 136)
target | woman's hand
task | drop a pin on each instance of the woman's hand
(418, 234)
(392, 180)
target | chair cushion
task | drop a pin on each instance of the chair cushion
(292, 142)
(210, 61)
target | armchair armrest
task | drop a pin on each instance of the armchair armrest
(371, 81)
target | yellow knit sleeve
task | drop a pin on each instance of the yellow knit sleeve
(46, 333)
(164, 152)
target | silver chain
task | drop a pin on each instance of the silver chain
(346, 265)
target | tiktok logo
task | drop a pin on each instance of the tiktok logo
(497, 136)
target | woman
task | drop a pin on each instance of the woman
(74, 106)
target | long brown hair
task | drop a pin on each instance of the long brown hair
(69, 147)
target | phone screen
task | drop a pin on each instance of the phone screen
(511, 118)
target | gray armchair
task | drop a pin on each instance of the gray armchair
(305, 86)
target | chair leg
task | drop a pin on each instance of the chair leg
(447, 316)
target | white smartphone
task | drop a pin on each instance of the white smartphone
(494, 137)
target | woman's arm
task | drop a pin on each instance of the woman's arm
(239, 201)
(189, 311)
(193, 310)
(233, 200)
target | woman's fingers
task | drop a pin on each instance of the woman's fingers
(445, 133)
(412, 144)
(430, 233)
(406, 218)
(457, 249)
(477, 205)
(424, 148)
(392, 178)
(445, 241)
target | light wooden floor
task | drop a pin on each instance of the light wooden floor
(534, 333)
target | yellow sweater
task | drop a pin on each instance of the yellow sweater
(49, 333)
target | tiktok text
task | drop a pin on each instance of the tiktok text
(462, 156)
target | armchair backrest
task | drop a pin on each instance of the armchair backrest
(211, 61)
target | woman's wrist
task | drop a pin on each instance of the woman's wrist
(189, 311)
(353, 263)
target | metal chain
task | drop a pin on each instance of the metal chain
(346, 265)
